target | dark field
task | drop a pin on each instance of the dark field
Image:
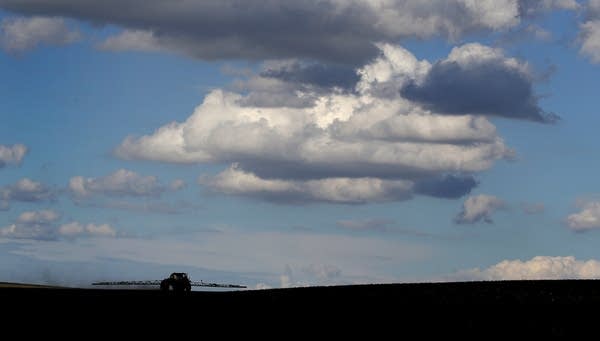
(514, 308)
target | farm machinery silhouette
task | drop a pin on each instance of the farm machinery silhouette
(178, 283)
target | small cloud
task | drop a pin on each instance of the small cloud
(132, 40)
(26, 190)
(12, 154)
(37, 225)
(76, 229)
(479, 208)
(42, 225)
(19, 35)
(121, 183)
(587, 219)
(590, 40)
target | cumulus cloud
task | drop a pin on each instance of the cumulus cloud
(333, 190)
(539, 267)
(32, 225)
(26, 190)
(121, 183)
(12, 154)
(476, 79)
(18, 35)
(38, 217)
(369, 139)
(42, 225)
(132, 40)
(479, 208)
(76, 229)
(330, 30)
(589, 35)
(587, 219)
(590, 40)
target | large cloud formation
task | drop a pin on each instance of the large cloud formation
(12, 154)
(19, 35)
(368, 145)
(326, 30)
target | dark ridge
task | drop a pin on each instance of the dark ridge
(457, 308)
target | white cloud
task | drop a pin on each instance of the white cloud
(371, 137)
(333, 190)
(32, 225)
(38, 217)
(479, 208)
(19, 35)
(539, 267)
(590, 40)
(132, 40)
(587, 219)
(43, 225)
(120, 183)
(76, 229)
(12, 154)
(25, 190)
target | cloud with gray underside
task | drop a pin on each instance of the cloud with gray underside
(325, 30)
(26, 190)
(371, 144)
(490, 85)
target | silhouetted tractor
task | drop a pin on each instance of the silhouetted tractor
(178, 283)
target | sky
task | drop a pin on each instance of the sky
(280, 144)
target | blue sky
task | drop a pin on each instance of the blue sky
(285, 179)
